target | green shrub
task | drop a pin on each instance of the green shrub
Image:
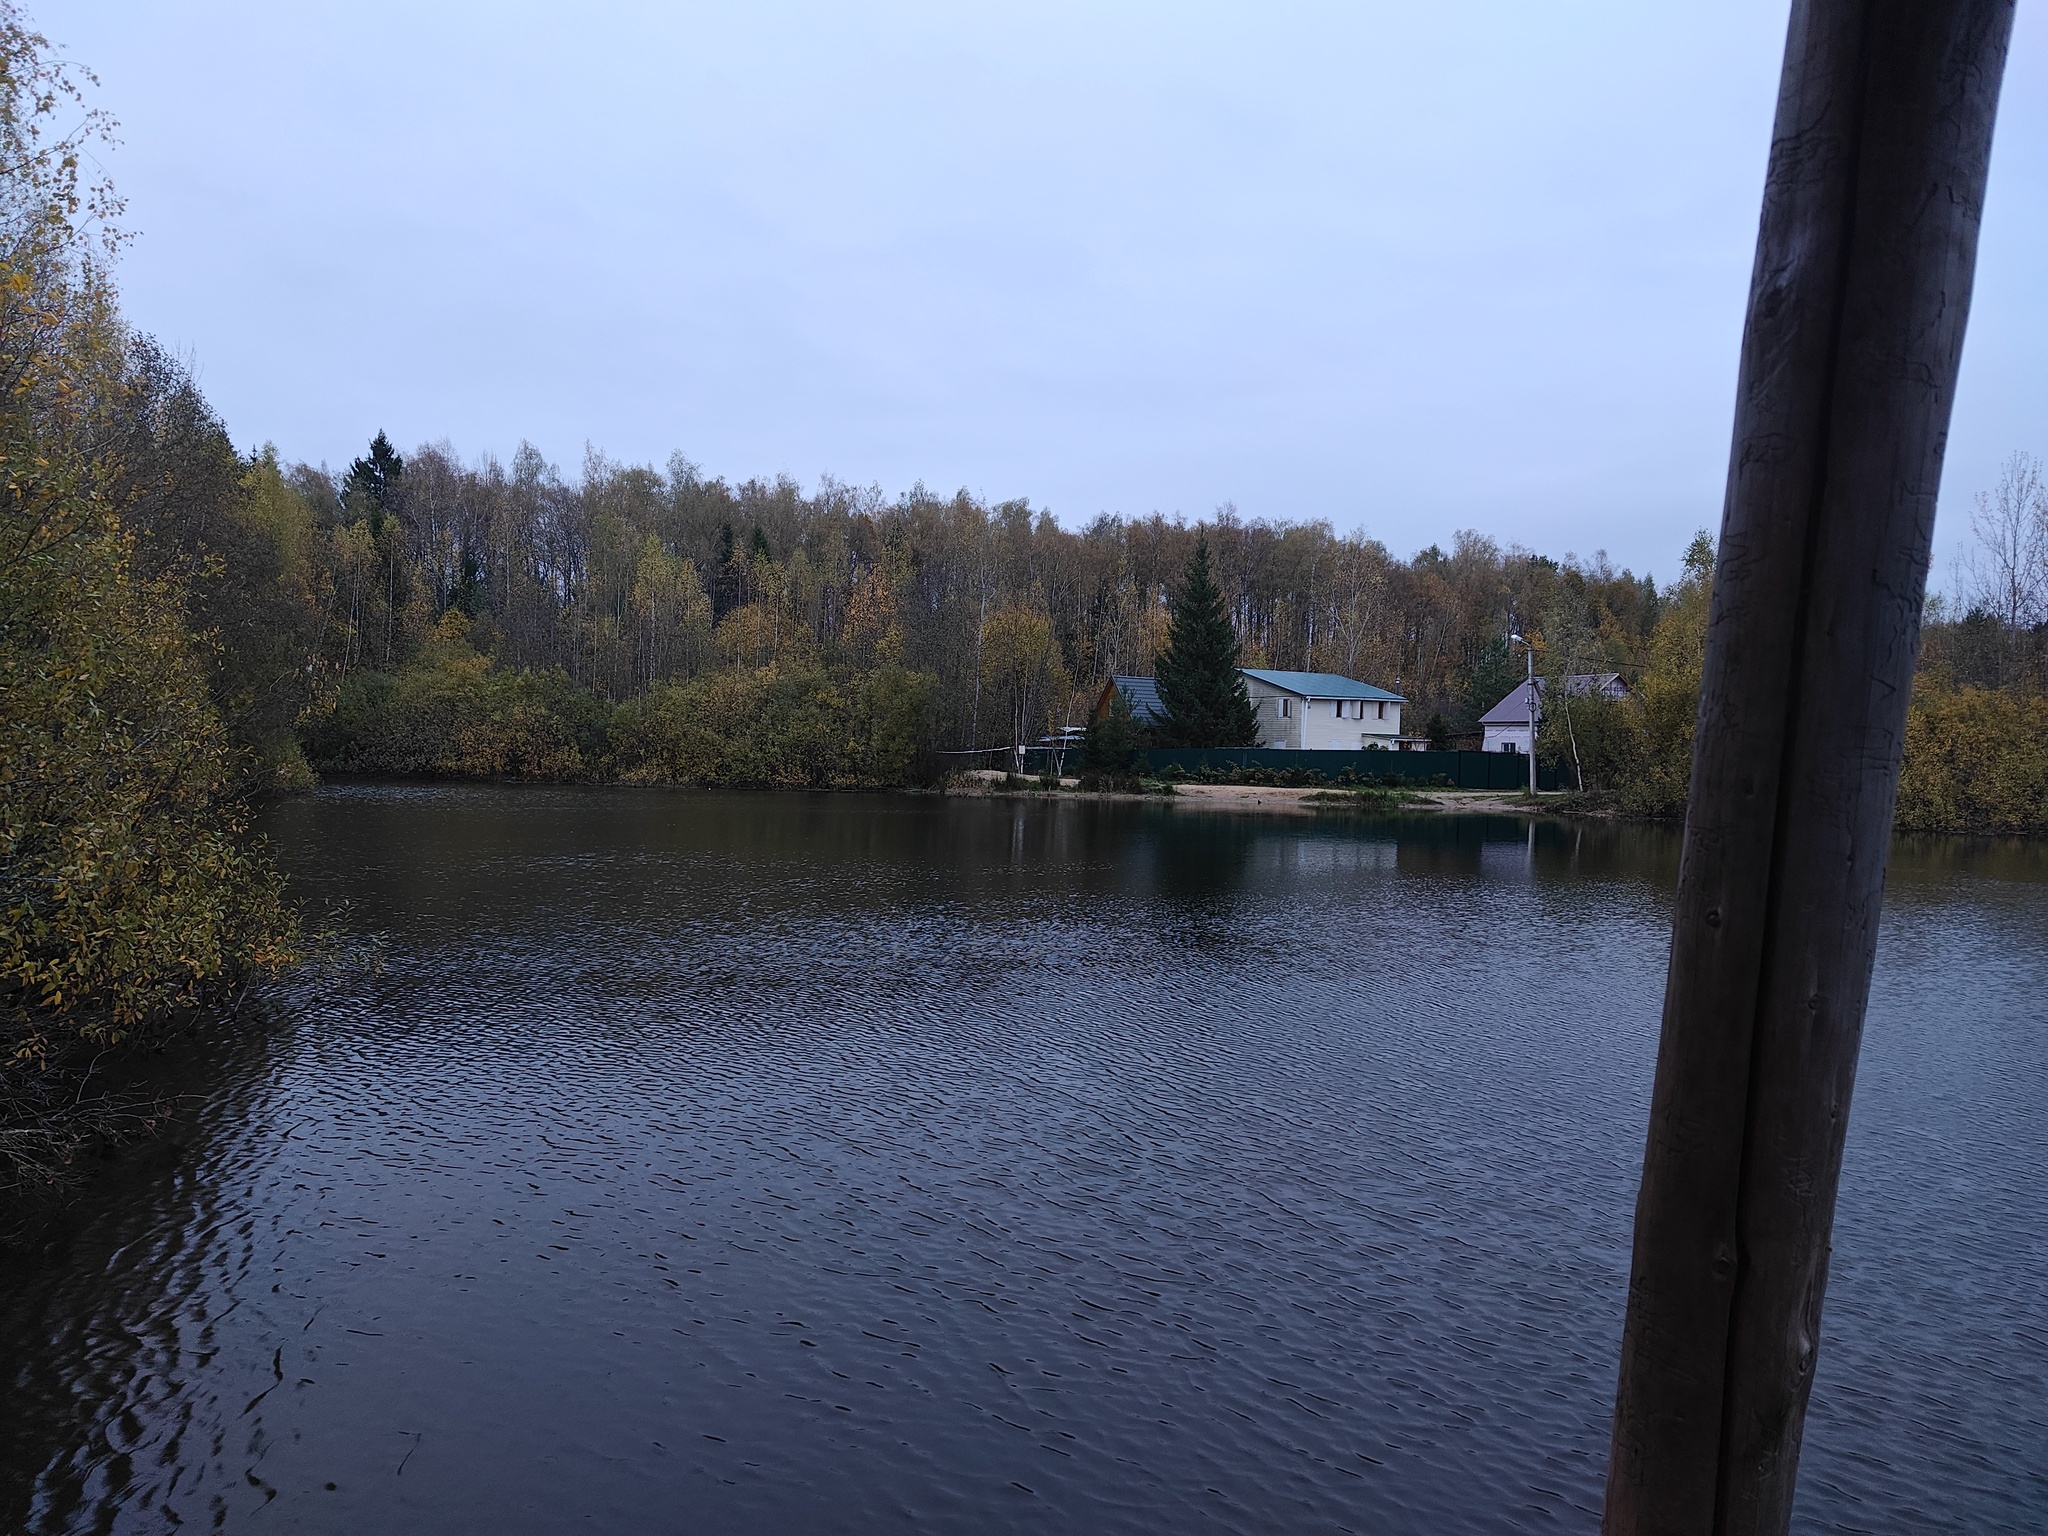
(801, 729)
(1976, 760)
(449, 711)
(1109, 755)
(128, 881)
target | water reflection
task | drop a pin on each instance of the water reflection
(787, 1162)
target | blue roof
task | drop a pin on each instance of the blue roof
(1145, 706)
(1321, 685)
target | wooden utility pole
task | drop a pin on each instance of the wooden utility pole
(1855, 327)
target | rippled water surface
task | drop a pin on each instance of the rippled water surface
(777, 1163)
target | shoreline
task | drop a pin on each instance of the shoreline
(989, 784)
(1266, 799)
(1271, 799)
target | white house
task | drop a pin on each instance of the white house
(1322, 712)
(1507, 724)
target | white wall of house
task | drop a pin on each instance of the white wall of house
(1322, 725)
(1280, 716)
(1507, 738)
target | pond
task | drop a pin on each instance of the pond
(826, 1163)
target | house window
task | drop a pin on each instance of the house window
(1286, 707)
(1383, 709)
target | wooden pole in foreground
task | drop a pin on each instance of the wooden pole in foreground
(1855, 328)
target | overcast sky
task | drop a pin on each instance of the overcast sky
(1408, 267)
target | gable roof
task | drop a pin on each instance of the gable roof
(1321, 685)
(1514, 709)
(1144, 691)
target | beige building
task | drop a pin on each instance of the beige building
(1321, 711)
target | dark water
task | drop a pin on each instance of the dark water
(822, 1164)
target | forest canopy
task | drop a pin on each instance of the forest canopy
(631, 578)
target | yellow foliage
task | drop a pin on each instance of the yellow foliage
(1976, 760)
(1637, 751)
(128, 884)
(874, 626)
(1022, 673)
(286, 519)
(451, 711)
(805, 729)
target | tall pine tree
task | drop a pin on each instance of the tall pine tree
(1199, 686)
(372, 487)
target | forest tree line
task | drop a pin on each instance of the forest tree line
(443, 597)
(418, 614)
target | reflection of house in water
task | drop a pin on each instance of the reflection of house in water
(1507, 723)
(1492, 848)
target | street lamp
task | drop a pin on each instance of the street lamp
(1529, 651)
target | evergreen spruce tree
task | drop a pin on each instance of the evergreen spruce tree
(725, 583)
(1204, 697)
(1110, 752)
(372, 488)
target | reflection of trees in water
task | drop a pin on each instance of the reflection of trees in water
(1920, 858)
(1621, 850)
(1200, 864)
(1458, 845)
(1493, 846)
(115, 1401)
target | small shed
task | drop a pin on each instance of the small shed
(1144, 696)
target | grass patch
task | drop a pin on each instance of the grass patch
(1365, 798)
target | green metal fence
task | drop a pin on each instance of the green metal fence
(1460, 770)
(1457, 770)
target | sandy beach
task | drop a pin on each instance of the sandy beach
(1269, 799)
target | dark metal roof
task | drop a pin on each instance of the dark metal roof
(1145, 706)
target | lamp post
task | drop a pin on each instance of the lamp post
(1529, 651)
